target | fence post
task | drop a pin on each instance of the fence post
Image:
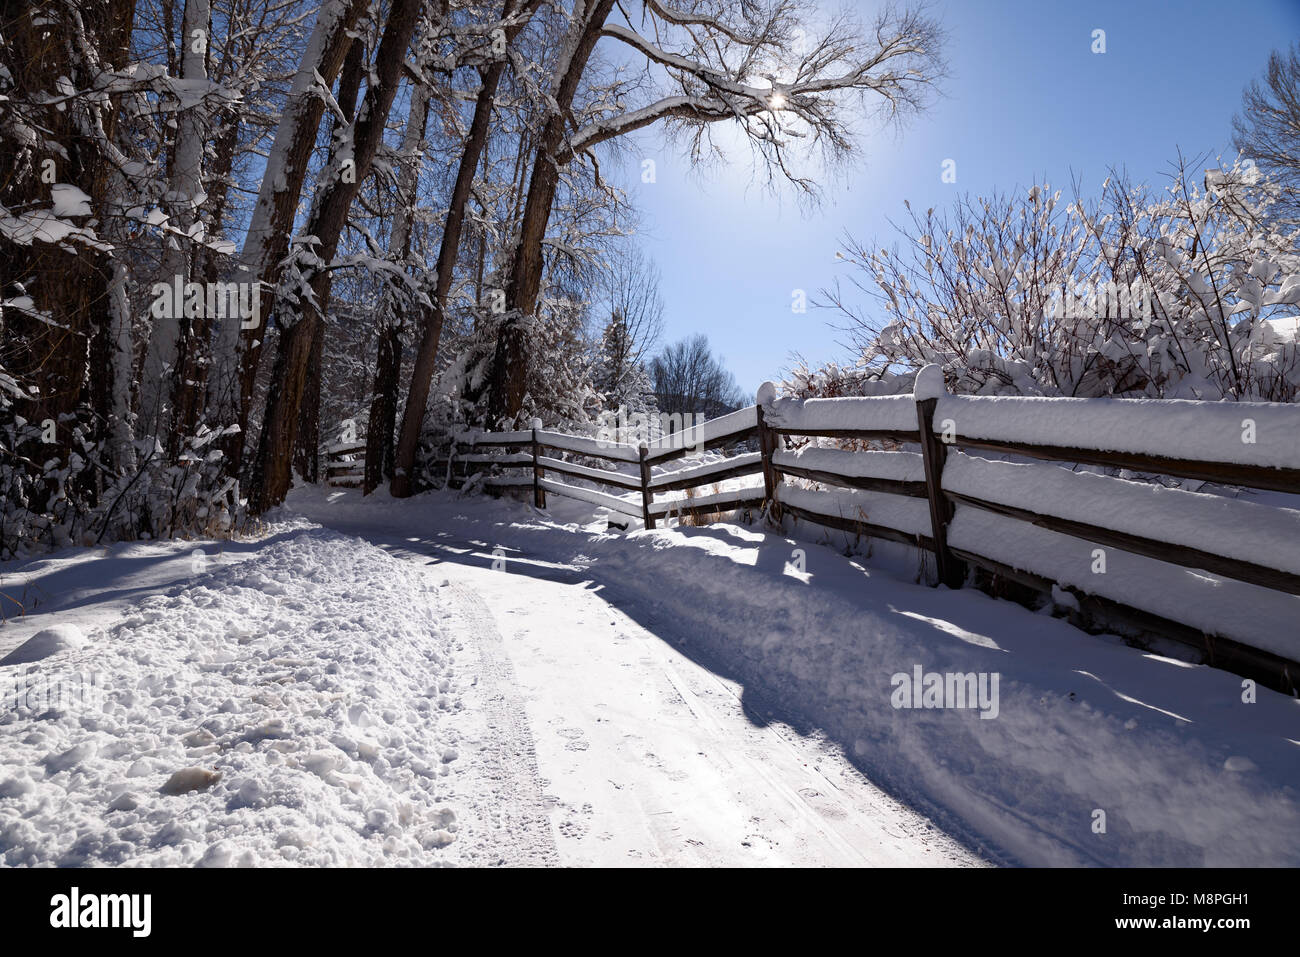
(539, 493)
(929, 386)
(647, 496)
(767, 440)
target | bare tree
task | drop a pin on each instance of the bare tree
(711, 61)
(1267, 130)
(631, 322)
(689, 379)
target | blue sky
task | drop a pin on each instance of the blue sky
(1026, 99)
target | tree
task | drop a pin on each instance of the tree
(1267, 130)
(515, 16)
(634, 323)
(719, 62)
(272, 471)
(266, 243)
(690, 380)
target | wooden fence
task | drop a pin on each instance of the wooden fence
(932, 479)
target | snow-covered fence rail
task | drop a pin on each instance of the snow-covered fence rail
(725, 431)
(970, 497)
(345, 465)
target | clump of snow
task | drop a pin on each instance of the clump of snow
(44, 644)
(929, 382)
(69, 200)
(882, 412)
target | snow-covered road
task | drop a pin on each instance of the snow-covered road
(450, 680)
(647, 757)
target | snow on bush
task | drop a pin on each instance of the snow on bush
(1170, 293)
(286, 710)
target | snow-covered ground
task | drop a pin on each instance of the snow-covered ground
(455, 679)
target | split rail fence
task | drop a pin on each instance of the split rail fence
(958, 476)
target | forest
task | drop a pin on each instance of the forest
(231, 228)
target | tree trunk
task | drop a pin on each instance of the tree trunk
(171, 338)
(73, 286)
(307, 446)
(306, 458)
(272, 473)
(230, 383)
(509, 378)
(431, 319)
(383, 408)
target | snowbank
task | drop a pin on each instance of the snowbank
(284, 711)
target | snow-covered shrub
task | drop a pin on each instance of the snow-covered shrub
(1174, 293)
(73, 497)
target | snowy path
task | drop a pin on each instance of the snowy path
(647, 757)
(466, 681)
(700, 696)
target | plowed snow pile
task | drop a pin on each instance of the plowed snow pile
(290, 709)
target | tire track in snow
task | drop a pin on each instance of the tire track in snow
(510, 808)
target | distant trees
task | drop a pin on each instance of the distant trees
(631, 317)
(689, 379)
(1267, 130)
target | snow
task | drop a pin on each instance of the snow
(68, 200)
(460, 680)
(901, 512)
(639, 651)
(884, 412)
(1234, 528)
(1260, 617)
(676, 506)
(897, 466)
(703, 471)
(592, 497)
(299, 709)
(1173, 428)
(45, 644)
(589, 446)
(929, 383)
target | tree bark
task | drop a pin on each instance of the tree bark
(431, 319)
(307, 447)
(230, 385)
(272, 472)
(509, 380)
(171, 340)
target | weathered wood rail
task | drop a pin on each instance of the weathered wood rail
(935, 475)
